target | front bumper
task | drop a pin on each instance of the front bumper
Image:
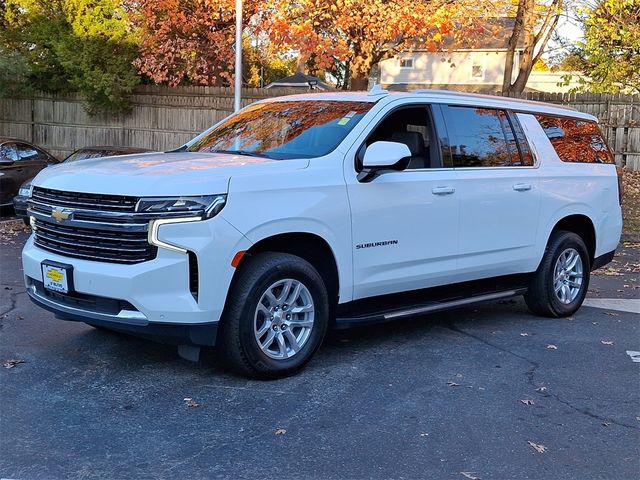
(152, 298)
(130, 322)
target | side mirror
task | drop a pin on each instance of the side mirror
(383, 156)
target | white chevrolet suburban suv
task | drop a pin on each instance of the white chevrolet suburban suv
(306, 212)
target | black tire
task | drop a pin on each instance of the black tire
(237, 339)
(541, 297)
(26, 221)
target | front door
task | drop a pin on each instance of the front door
(405, 223)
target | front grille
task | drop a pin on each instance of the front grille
(91, 244)
(114, 203)
(102, 228)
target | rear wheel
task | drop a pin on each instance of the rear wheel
(276, 316)
(560, 284)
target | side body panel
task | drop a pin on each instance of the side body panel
(587, 189)
(310, 200)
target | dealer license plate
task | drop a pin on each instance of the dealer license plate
(56, 278)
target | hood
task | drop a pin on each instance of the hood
(155, 174)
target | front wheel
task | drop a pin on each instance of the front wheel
(276, 316)
(560, 284)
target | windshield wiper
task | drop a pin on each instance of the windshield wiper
(243, 152)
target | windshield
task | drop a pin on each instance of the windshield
(282, 130)
(84, 154)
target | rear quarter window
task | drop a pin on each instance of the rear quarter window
(576, 140)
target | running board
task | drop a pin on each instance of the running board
(430, 307)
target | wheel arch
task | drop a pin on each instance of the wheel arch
(309, 246)
(581, 225)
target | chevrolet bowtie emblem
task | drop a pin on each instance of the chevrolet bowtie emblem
(60, 214)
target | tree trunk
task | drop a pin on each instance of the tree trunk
(511, 47)
(526, 21)
(359, 81)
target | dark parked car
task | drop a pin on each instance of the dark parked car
(19, 161)
(20, 200)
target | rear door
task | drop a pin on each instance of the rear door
(498, 190)
(404, 223)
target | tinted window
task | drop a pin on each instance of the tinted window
(281, 130)
(8, 151)
(576, 140)
(480, 137)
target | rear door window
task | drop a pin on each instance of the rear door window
(481, 137)
(576, 140)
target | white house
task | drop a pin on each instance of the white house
(480, 69)
(476, 64)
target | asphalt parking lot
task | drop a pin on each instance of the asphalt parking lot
(488, 392)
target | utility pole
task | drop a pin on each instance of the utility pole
(238, 76)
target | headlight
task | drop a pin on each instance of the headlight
(25, 190)
(183, 209)
(205, 206)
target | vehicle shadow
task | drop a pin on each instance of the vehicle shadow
(133, 353)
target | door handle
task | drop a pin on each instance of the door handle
(443, 190)
(521, 187)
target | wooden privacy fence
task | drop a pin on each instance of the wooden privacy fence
(163, 118)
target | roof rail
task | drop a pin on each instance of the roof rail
(429, 90)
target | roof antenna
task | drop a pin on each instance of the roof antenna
(377, 90)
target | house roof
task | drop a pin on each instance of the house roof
(300, 80)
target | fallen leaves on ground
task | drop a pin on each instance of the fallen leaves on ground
(613, 314)
(541, 389)
(470, 475)
(12, 363)
(453, 384)
(631, 201)
(281, 431)
(10, 229)
(424, 434)
(537, 447)
(606, 342)
(526, 401)
(190, 402)
(552, 347)
(524, 334)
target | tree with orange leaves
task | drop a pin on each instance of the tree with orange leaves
(362, 33)
(186, 40)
